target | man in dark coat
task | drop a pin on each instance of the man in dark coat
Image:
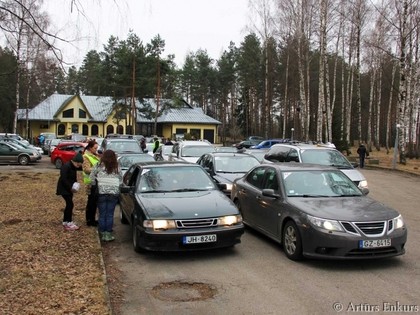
(363, 152)
(66, 186)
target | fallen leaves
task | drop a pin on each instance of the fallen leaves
(44, 269)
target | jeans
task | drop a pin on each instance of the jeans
(106, 206)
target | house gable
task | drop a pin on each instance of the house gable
(73, 110)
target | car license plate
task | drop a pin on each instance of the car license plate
(199, 239)
(375, 243)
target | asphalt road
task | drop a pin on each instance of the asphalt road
(255, 277)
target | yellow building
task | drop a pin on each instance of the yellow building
(98, 116)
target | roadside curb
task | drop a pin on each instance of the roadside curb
(104, 275)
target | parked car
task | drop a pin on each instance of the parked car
(266, 144)
(315, 154)
(10, 153)
(317, 211)
(25, 145)
(120, 144)
(162, 153)
(176, 206)
(52, 143)
(225, 167)
(127, 159)
(65, 151)
(190, 150)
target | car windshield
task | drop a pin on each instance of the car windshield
(124, 146)
(235, 163)
(126, 161)
(318, 184)
(172, 179)
(196, 151)
(325, 157)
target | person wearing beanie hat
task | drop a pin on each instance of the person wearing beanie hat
(78, 158)
(66, 188)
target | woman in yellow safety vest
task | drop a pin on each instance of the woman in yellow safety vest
(90, 159)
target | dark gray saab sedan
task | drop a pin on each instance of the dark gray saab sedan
(176, 206)
(317, 211)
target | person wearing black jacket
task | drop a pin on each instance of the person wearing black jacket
(363, 153)
(66, 187)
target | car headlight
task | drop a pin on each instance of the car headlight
(329, 225)
(398, 222)
(159, 224)
(229, 186)
(230, 220)
(363, 184)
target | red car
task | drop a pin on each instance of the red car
(65, 151)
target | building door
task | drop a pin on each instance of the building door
(208, 135)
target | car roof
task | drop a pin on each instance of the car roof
(303, 146)
(216, 153)
(194, 142)
(152, 164)
(294, 166)
(66, 143)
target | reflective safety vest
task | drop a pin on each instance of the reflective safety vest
(93, 159)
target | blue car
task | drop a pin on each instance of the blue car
(266, 144)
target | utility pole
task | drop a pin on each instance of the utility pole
(133, 99)
(157, 95)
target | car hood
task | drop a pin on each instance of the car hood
(227, 177)
(190, 159)
(187, 205)
(353, 174)
(344, 208)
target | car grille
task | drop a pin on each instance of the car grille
(375, 228)
(196, 223)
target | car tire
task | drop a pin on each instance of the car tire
(292, 241)
(123, 219)
(58, 163)
(136, 239)
(23, 160)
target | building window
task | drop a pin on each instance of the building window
(61, 130)
(75, 128)
(195, 133)
(109, 129)
(68, 113)
(82, 113)
(94, 131)
(85, 130)
(120, 129)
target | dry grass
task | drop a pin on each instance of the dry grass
(386, 160)
(44, 269)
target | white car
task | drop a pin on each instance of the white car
(190, 150)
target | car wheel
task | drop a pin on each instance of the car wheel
(58, 163)
(292, 242)
(23, 160)
(123, 219)
(136, 239)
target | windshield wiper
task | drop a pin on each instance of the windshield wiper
(186, 189)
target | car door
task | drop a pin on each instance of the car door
(249, 193)
(127, 198)
(269, 208)
(7, 153)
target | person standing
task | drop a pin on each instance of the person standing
(90, 159)
(66, 186)
(108, 178)
(363, 153)
(156, 144)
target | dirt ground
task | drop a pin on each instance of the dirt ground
(46, 270)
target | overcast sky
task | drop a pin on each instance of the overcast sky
(184, 25)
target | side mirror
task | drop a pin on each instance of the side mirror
(269, 193)
(364, 190)
(126, 189)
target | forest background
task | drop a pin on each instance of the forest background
(341, 71)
